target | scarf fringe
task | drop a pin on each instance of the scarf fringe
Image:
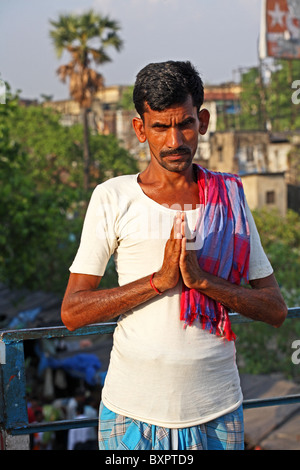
(219, 324)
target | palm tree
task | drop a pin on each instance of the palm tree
(86, 37)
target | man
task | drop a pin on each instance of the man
(181, 238)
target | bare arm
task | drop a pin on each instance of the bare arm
(263, 302)
(84, 303)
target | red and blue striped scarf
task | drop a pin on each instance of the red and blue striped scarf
(223, 228)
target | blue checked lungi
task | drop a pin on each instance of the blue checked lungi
(118, 432)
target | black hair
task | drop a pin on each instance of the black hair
(164, 84)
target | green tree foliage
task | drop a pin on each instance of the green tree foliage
(126, 101)
(281, 240)
(261, 348)
(31, 213)
(281, 111)
(268, 103)
(252, 112)
(42, 202)
(86, 37)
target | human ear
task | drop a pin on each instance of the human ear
(203, 121)
(138, 126)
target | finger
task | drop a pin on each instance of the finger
(183, 247)
(176, 229)
(183, 228)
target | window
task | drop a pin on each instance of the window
(220, 153)
(250, 154)
(270, 197)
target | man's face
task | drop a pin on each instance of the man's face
(172, 134)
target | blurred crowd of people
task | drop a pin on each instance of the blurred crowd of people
(82, 405)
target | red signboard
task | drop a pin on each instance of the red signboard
(280, 29)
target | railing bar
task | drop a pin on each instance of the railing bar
(55, 426)
(238, 318)
(10, 336)
(14, 336)
(260, 402)
(93, 422)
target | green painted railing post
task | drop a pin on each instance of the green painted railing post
(13, 407)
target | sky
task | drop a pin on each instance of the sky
(218, 36)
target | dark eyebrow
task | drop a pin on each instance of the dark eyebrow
(188, 120)
(160, 124)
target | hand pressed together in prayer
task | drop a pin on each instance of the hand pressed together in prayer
(191, 273)
(178, 259)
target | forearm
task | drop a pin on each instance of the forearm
(261, 303)
(86, 306)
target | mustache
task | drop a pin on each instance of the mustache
(182, 150)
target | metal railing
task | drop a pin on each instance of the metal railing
(13, 404)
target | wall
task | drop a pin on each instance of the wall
(267, 190)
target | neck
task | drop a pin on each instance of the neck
(158, 175)
(171, 188)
